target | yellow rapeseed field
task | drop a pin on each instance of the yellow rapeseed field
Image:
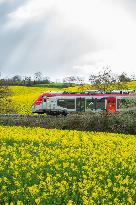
(131, 85)
(42, 166)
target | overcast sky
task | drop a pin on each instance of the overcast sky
(67, 37)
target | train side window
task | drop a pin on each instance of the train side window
(61, 102)
(100, 104)
(90, 104)
(44, 100)
(70, 103)
(66, 103)
(121, 103)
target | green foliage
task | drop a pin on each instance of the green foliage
(124, 78)
(106, 80)
(54, 85)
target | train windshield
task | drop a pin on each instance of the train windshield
(44, 99)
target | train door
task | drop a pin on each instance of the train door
(111, 104)
(80, 104)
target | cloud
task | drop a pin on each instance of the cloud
(33, 10)
(64, 37)
(47, 44)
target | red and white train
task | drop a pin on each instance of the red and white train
(55, 103)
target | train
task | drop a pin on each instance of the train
(56, 103)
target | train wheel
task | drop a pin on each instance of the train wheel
(64, 113)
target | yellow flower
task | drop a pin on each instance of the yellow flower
(19, 203)
(126, 181)
(115, 189)
(130, 200)
(70, 202)
(94, 194)
(38, 200)
(109, 184)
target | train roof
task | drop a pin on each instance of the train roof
(81, 94)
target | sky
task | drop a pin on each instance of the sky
(61, 38)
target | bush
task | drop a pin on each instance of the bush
(123, 122)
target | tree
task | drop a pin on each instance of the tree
(38, 76)
(70, 80)
(46, 80)
(124, 78)
(103, 79)
(80, 80)
(27, 81)
(16, 79)
(107, 81)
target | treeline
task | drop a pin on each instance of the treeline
(23, 81)
(18, 80)
(99, 80)
(39, 79)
